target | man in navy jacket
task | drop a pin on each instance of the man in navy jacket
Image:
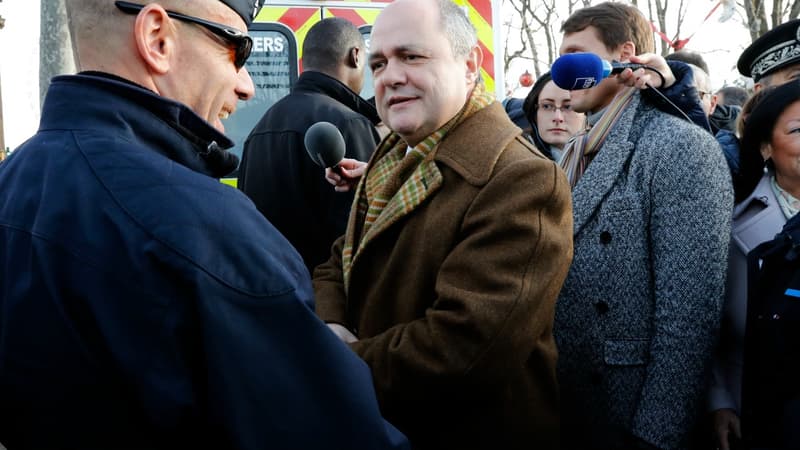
(142, 303)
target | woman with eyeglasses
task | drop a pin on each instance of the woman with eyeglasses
(553, 122)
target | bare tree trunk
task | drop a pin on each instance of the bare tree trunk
(794, 12)
(545, 22)
(756, 18)
(777, 12)
(55, 55)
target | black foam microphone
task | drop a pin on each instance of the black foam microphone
(575, 71)
(325, 145)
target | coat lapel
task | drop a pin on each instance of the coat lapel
(421, 184)
(758, 218)
(605, 169)
(471, 149)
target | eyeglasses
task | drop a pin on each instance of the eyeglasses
(551, 108)
(241, 42)
(703, 94)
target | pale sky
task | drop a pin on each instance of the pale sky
(19, 69)
(719, 43)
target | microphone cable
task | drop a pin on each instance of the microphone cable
(664, 97)
(663, 80)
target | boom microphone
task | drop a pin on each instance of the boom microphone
(575, 71)
(325, 145)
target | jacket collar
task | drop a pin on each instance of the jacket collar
(758, 217)
(92, 101)
(474, 153)
(312, 81)
(760, 198)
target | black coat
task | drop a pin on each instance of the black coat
(282, 180)
(770, 390)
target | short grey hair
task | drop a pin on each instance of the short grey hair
(457, 28)
(701, 79)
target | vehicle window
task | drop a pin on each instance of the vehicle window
(273, 67)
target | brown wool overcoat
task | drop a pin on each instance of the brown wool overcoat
(453, 302)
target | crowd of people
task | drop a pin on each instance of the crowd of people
(576, 278)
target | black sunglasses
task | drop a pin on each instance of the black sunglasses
(241, 42)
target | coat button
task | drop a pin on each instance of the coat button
(602, 307)
(605, 238)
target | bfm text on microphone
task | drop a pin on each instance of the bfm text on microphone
(325, 145)
(575, 71)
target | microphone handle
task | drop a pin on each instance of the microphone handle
(337, 169)
(619, 67)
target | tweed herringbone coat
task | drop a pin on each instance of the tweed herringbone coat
(639, 311)
(453, 301)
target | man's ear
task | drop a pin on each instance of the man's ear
(714, 100)
(155, 38)
(354, 58)
(474, 61)
(627, 50)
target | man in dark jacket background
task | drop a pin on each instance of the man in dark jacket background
(277, 173)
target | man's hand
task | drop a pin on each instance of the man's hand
(342, 333)
(351, 171)
(725, 421)
(641, 78)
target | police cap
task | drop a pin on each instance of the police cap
(777, 48)
(247, 9)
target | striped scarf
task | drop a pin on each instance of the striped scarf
(390, 174)
(583, 147)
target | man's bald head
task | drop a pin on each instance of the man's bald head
(99, 30)
(175, 57)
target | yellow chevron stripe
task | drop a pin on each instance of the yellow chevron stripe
(368, 14)
(301, 33)
(270, 13)
(488, 81)
(483, 27)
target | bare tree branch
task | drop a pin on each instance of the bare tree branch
(794, 11)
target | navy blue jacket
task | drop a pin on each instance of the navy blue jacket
(284, 182)
(143, 304)
(730, 148)
(684, 100)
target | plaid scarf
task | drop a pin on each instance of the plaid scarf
(395, 182)
(583, 147)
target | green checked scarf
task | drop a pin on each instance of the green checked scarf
(395, 181)
(581, 149)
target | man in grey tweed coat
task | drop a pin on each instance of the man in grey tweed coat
(636, 319)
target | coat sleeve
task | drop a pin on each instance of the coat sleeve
(494, 293)
(272, 374)
(269, 372)
(719, 396)
(691, 203)
(329, 287)
(683, 95)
